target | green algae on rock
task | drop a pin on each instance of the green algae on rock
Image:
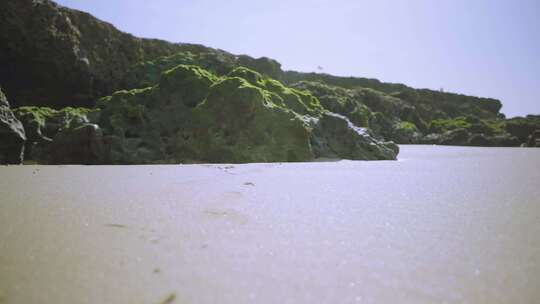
(365, 108)
(56, 57)
(338, 100)
(148, 73)
(239, 122)
(299, 101)
(42, 125)
(144, 125)
(221, 63)
(193, 115)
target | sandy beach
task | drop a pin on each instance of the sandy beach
(440, 225)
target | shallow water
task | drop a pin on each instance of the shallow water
(441, 225)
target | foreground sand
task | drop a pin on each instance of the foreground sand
(441, 225)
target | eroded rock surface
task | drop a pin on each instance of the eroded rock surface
(12, 135)
(193, 115)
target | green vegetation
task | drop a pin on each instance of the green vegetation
(39, 117)
(444, 125)
(338, 100)
(175, 102)
(194, 115)
(409, 126)
(299, 101)
(239, 122)
(523, 127)
(471, 124)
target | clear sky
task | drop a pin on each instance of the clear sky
(488, 48)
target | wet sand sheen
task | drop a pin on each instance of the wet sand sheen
(443, 224)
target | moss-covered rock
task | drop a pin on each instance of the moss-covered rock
(335, 136)
(221, 63)
(194, 116)
(148, 73)
(523, 127)
(382, 125)
(338, 100)
(264, 65)
(42, 124)
(149, 125)
(534, 140)
(299, 101)
(462, 137)
(187, 83)
(77, 145)
(456, 137)
(386, 115)
(428, 104)
(12, 135)
(470, 123)
(54, 56)
(239, 122)
(444, 125)
(406, 132)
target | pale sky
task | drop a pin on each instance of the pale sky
(488, 48)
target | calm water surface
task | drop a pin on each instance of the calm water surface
(441, 225)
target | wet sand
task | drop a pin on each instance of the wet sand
(441, 225)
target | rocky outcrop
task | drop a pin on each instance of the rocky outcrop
(12, 135)
(338, 100)
(406, 133)
(239, 122)
(192, 115)
(335, 136)
(264, 65)
(462, 137)
(80, 145)
(219, 62)
(523, 127)
(171, 102)
(43, 124)
(428, 103)
(58, 57)
(457, 137)
(534, 140)
(148, 125)
(54, 56)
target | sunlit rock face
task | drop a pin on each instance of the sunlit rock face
(12, 135)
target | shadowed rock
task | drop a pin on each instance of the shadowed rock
(193, 115)
(534, 140)
(80, 145)
(42, 124)
(335, 136)
(12, 135)
(54, 56)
